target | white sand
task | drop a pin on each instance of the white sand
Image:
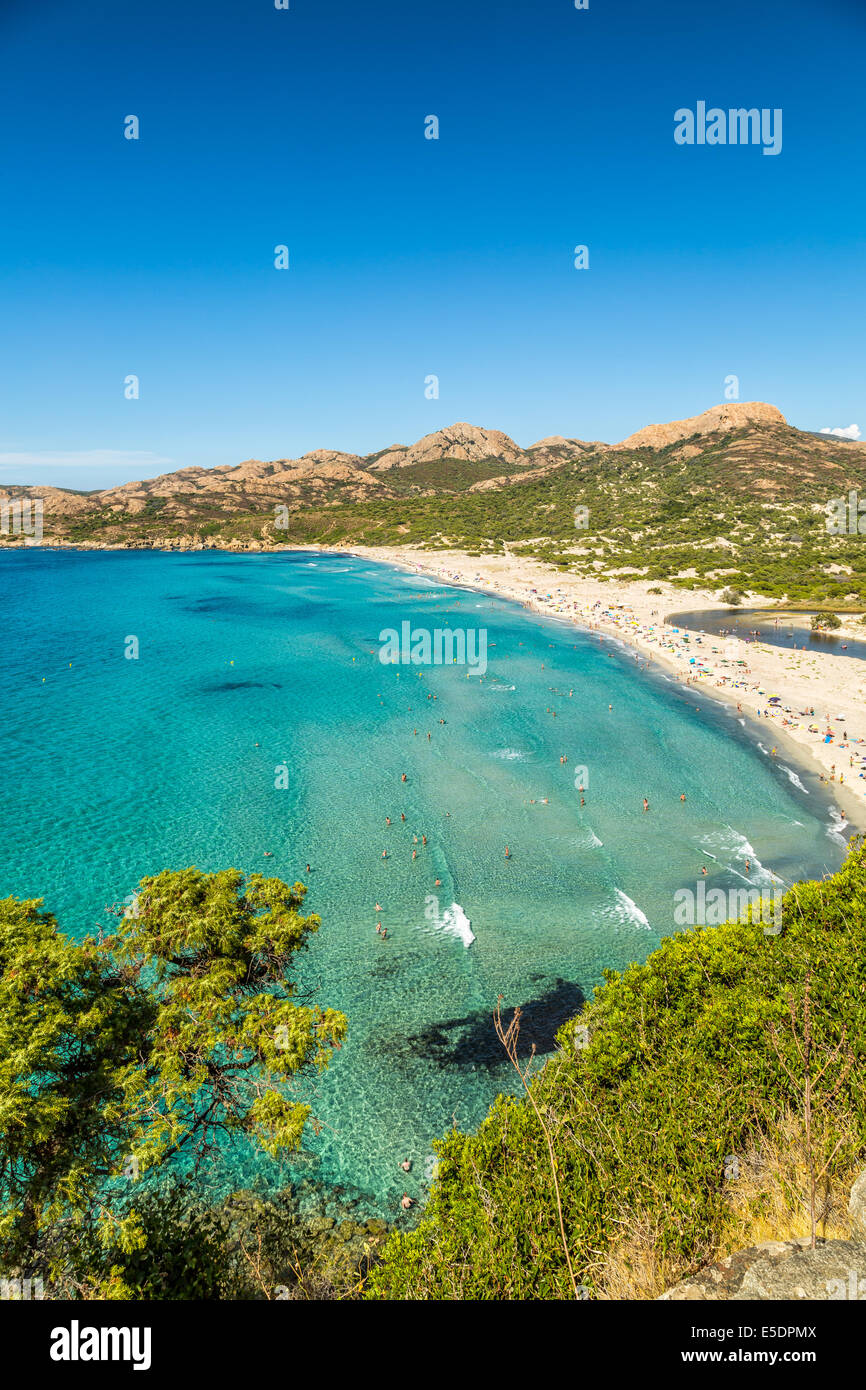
(833, 685)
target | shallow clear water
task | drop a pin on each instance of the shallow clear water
(115, 768)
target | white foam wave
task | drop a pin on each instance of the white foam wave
(625, 909)
(793, 778)
(452, 922)
(510, 755)
(838, 829)
(734, 849)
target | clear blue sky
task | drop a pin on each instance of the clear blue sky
(412, 257)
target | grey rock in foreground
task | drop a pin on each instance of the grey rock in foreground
(781, 1270)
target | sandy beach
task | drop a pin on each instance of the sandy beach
(819, 717)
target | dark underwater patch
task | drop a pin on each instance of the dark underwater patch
(219, 687)
(471, 1041)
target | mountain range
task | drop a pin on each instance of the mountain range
(734, 494)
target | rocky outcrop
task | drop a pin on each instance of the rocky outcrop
(779, 1270)
(732, 416)
(788, 1269)
(460, 441)
(558, 444)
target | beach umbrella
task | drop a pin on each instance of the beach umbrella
(775, 699)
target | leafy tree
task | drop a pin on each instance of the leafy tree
(181, 1029)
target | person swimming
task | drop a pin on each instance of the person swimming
(645, 804)
(507, 852)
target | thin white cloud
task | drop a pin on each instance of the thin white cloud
(844, 431)
(84, 458)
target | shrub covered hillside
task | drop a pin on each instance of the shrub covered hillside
(671, 1126)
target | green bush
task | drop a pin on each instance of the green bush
(681, 1070)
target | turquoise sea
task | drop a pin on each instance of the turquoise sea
(115, 768)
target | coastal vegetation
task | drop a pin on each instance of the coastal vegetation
(703, 1100)
(126, 1061)
(670, 1126)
